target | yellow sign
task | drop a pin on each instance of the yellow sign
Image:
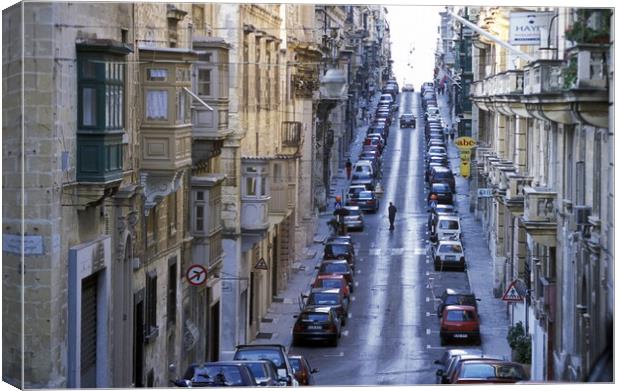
(465, 154)
(465, 143)
(465, 168)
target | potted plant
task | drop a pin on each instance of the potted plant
(520, 343)
(584, 31)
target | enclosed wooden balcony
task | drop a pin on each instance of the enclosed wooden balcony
(539, 215)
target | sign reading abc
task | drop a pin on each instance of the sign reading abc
(465, 142)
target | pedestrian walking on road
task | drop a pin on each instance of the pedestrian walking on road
(348, 166)
(391, 215)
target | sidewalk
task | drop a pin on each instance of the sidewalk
(277, 325)
(493, 316)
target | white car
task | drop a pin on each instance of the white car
(448, 254)
(447, 227)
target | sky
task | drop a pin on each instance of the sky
(413, 31)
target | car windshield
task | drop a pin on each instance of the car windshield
(443, 174)
(450, 248)
(353, 212)
(441, 188)
(449, 224)
(488, 370)
(295, 363)
(460, 316)
(329, 283)
(459, 299)
(355, 190)
(218, 374)
(362, 175)
(314, 317)
(334, 268)
(323, 298)
(437, 150)
(258, 369)
(336, 249)
(260, 354)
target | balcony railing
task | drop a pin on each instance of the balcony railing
(539, 205)
(586, 67)
(516, 186)
(543, 77)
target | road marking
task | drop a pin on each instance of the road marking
(345, 333)
(428, 331)
(427, 300)
(434, 347)
(419, 250)
(359, 272)
(341, 354)
(375, 251)
(352, 299)
(356, 283)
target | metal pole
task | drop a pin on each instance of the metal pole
(491, 37)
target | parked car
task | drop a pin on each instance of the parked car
(341, 267)
(354, 190)
(386, 98)
(331, 297)
(366, 201)
(303, 371)
(441, 192)
(339, 250)
(355, 218)
(317, 323)
(459, 322)
(488, 371)
(364, 179)
(448, 254)
(407, 120)
(217, 374)
(447, 227)
(348, 239)
(456, 297)
(445, 359)
(363, 167)
(273, 352)
(443, 175)
(332, 281)
(445, 375)
(265, 373)
(408, 88)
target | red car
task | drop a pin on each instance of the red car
(302, 370)
(459, 322)
(332, 281)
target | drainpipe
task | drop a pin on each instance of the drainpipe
(490, 36)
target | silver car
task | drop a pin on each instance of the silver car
(448, 254)
(355, 218)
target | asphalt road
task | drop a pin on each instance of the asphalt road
(392, 334)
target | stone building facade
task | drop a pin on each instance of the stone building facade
(543, 120)
(158, 138)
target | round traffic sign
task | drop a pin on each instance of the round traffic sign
(196, 274)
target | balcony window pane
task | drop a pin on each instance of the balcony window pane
(180, 106)
(89, 69)
(199, 215)
(250, 186)
(157, 105)
(204, 82)
(89, 106)
(263, 186)
(200, 195)
(157, 74)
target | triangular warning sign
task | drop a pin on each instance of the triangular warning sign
(261, 264)
(512, 294)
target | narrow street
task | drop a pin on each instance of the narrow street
(392, 334)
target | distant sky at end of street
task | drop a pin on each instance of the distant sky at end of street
(414, 33)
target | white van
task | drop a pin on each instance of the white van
(448, 227)
(386, 98)
(363, 167)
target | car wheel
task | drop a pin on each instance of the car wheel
(335, 342)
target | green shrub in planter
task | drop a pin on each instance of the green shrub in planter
(520, 343)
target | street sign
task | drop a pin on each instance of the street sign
(511, 294)
(465, 142)
(261, 264)
(485, 193)
(196, 275)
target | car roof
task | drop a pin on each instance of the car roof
(325, 290)
(330, 277)
(448, 217)
(317, 308)
(351, 207)
(459, 307)
(452, 242)
(344, 261)
(477, 357)
(450, 291)
(263, 345)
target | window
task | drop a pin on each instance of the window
(151, 306)
(199, 211)
(181, 106)
(172, 214)
(156, 74)
(151, 227)
(172, 292)
(250, 186)
(204, 82)
(157, 105)
(100, 93)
